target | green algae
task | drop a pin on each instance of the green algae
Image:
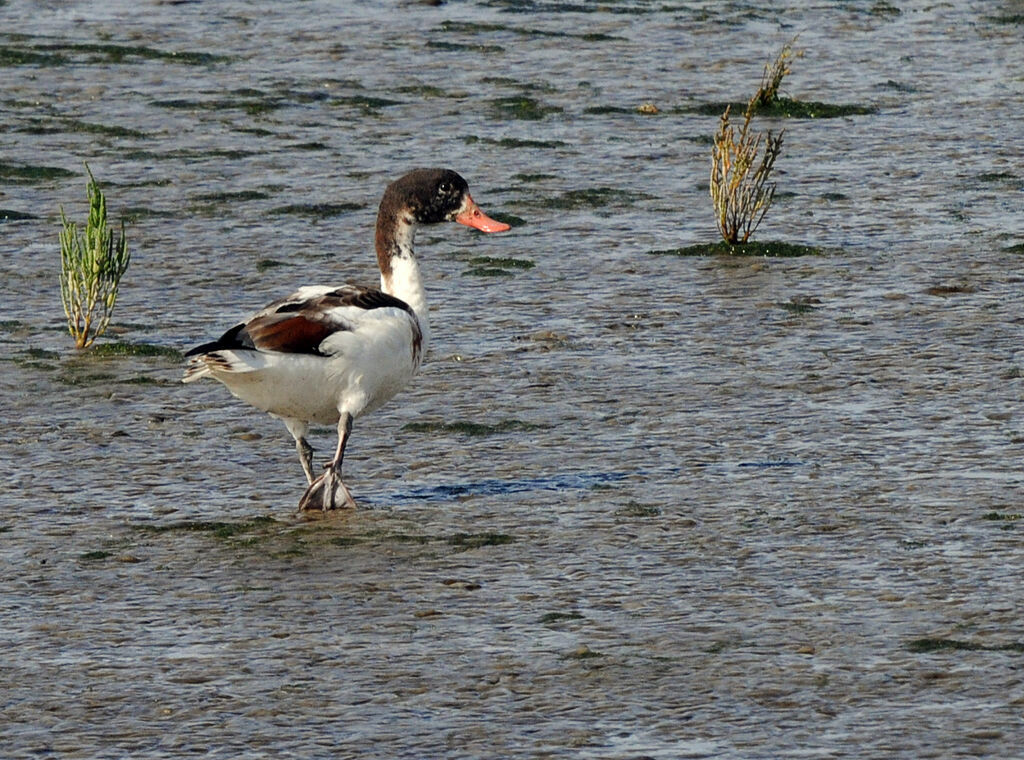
(71, 126)
(464, 47)
(1008, 180)
(467, 541)
(928, 645)
(37, 359)
(317, 210)
(367, 104)
(187, 154)
(645, 111)
(135, 213)
(774, 249)
(250, 106)
(518, 84)
(26, 173)
(461, 541)
(521, 107)
(558, 617)
(472, 428)
(503, 262)
(885, 9)
(467, 27)
(41, 353)
(92, 366)
(535, 177)
(585, 6)
(264, 264)
(217, 528)
(15, 56)
(64, 53)
(310, 146)
(95, 556)
(493, 266)
(119, 348)
(783, 108)
(512, 142)
(799, 304)
(231, 197)
(594, 197)
(10, 215)
(487, 272)
(114, 53)
(428, 91)
(636, 509)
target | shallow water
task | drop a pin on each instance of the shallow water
(723, 508)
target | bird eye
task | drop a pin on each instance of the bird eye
(445, 188)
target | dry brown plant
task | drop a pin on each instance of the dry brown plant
(774, 73)
(740, 189)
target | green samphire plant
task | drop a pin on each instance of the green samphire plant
(91, 269)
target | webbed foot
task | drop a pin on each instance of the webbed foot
(327, 492)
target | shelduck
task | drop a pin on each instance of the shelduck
(329, 354)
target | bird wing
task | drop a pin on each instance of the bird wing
(300, 323)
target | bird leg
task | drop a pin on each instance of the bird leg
(306, 457)
(298, 429)
(329, 491)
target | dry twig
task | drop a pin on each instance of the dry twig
(740, 190)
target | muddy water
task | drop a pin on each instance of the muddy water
(636, 505)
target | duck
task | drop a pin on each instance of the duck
(329, 354)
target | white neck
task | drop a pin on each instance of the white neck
(404, 280)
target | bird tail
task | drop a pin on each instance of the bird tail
(205, 365)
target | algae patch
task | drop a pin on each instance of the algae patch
(769, 249)
(558, 617)
(95, 556)
(10, 215)
(466, 27)
(71, 126)
(1002, 516)
(514, 142)
(521, 107)
(467, 541)
(636, 509)
(593, 198)
(119, 348)
(460, 541)
(216, 528)
(317, 210)
(783, 108)
(928, 645)
(492, 266)
(23, 173)
(472, 428)
(464, 47)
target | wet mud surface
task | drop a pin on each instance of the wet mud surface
(635, 505)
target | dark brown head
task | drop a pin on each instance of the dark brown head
(431, 196)
(424, 196)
